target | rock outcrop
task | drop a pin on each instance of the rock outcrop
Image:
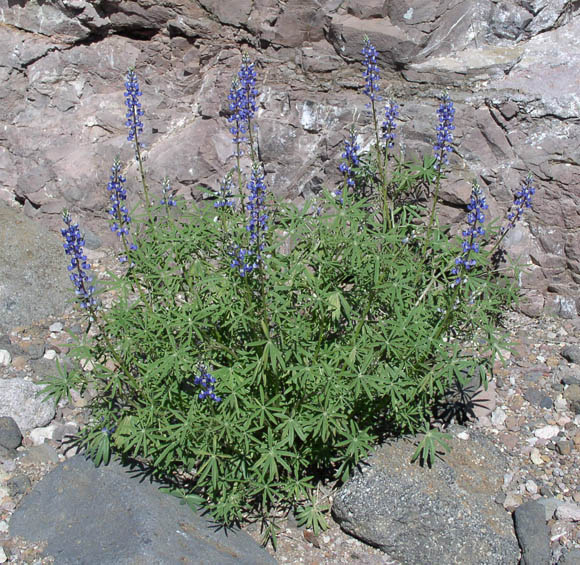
(511, 67)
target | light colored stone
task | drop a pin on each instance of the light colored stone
(498, 417)
(19, 399)
(568, 512)
(547, 432)
(3, 526)
(50, 354)
(5, 358)
(3, 557)
(56, 327)
(531, 487)
(512, 501)
(39, 435)
(535, 457)
(463, 435)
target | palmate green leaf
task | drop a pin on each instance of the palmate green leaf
(428, 447)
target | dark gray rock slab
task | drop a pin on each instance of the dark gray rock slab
(532, 532)
(572, 557)
(571, 353)
(34, 282)
(113, 516)
(422, 516)
(10, 434)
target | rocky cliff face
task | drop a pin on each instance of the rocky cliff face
(512, 67)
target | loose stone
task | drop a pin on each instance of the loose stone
(5, 358)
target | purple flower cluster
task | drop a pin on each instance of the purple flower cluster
(79, 266)
(242, 260)
(206, 382)
(389, 124)
(475, 216)
(168, 197)
(224, 194)
(442, 146)
(134, 111)
(258, 222)
(350, 161)
(242, 99)
(118, 211)
(522, 200)
(370, 71)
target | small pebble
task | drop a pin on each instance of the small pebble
(564, 447)
(531, 487)
(3, 557)
(56, 327)
(547, 432)
(535, 457)
(498, 417)
(568, 512)
(50, 354)
(5, 358)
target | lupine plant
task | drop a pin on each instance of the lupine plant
(256, 348)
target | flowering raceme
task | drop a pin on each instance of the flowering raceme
(134, 110)
(350, 160)
(522, 200)
(475, 216)
(224, 194)
(79, 266)
(442, 146)
(258, 222)
(168, 197)
(206, 381)
(371, 71)
(389, 124)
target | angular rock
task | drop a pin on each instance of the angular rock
(569, 512)
(422, 516)
(19, 400)
(10, 434)
(571, 353)
(533, 534)
(122, 518)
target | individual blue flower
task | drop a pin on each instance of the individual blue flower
(370, 71)
(168, 198)
(79, 266)
(258, 218)
(389, 124)
(522, 200)
(475, 220)
(207, 383)
(224, 194)
(236, 119)
(134, 110)
(442, 146)
(350, 161)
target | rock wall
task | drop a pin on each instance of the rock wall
(512, 67)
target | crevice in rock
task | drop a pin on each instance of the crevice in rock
(22, 201)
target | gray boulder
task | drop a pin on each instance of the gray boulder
(533, 534)
(113, 516)
(19, 400)
(423, 516)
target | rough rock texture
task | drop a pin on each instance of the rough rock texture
(10, 434)
(115, 516)
(422, 516)
(32, 264)
(19, 400)
(533, 534)
(512, 68)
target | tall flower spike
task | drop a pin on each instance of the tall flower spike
(79, 266)
(118, 211)
(168, 199)
(371, 70)
(134, 110)
(224, 194)
(350, 161)
(522, 200)
(475, 216)
(258, 222)
(236, 118)
(442, 146)
(389, 124)
(247, 76)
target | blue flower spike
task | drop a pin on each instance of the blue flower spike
(79, 266)
(522, 200)
(207, 383)
(442, 146)
(371, 71)
(475, 231)
(389, 124)
(134, 110)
